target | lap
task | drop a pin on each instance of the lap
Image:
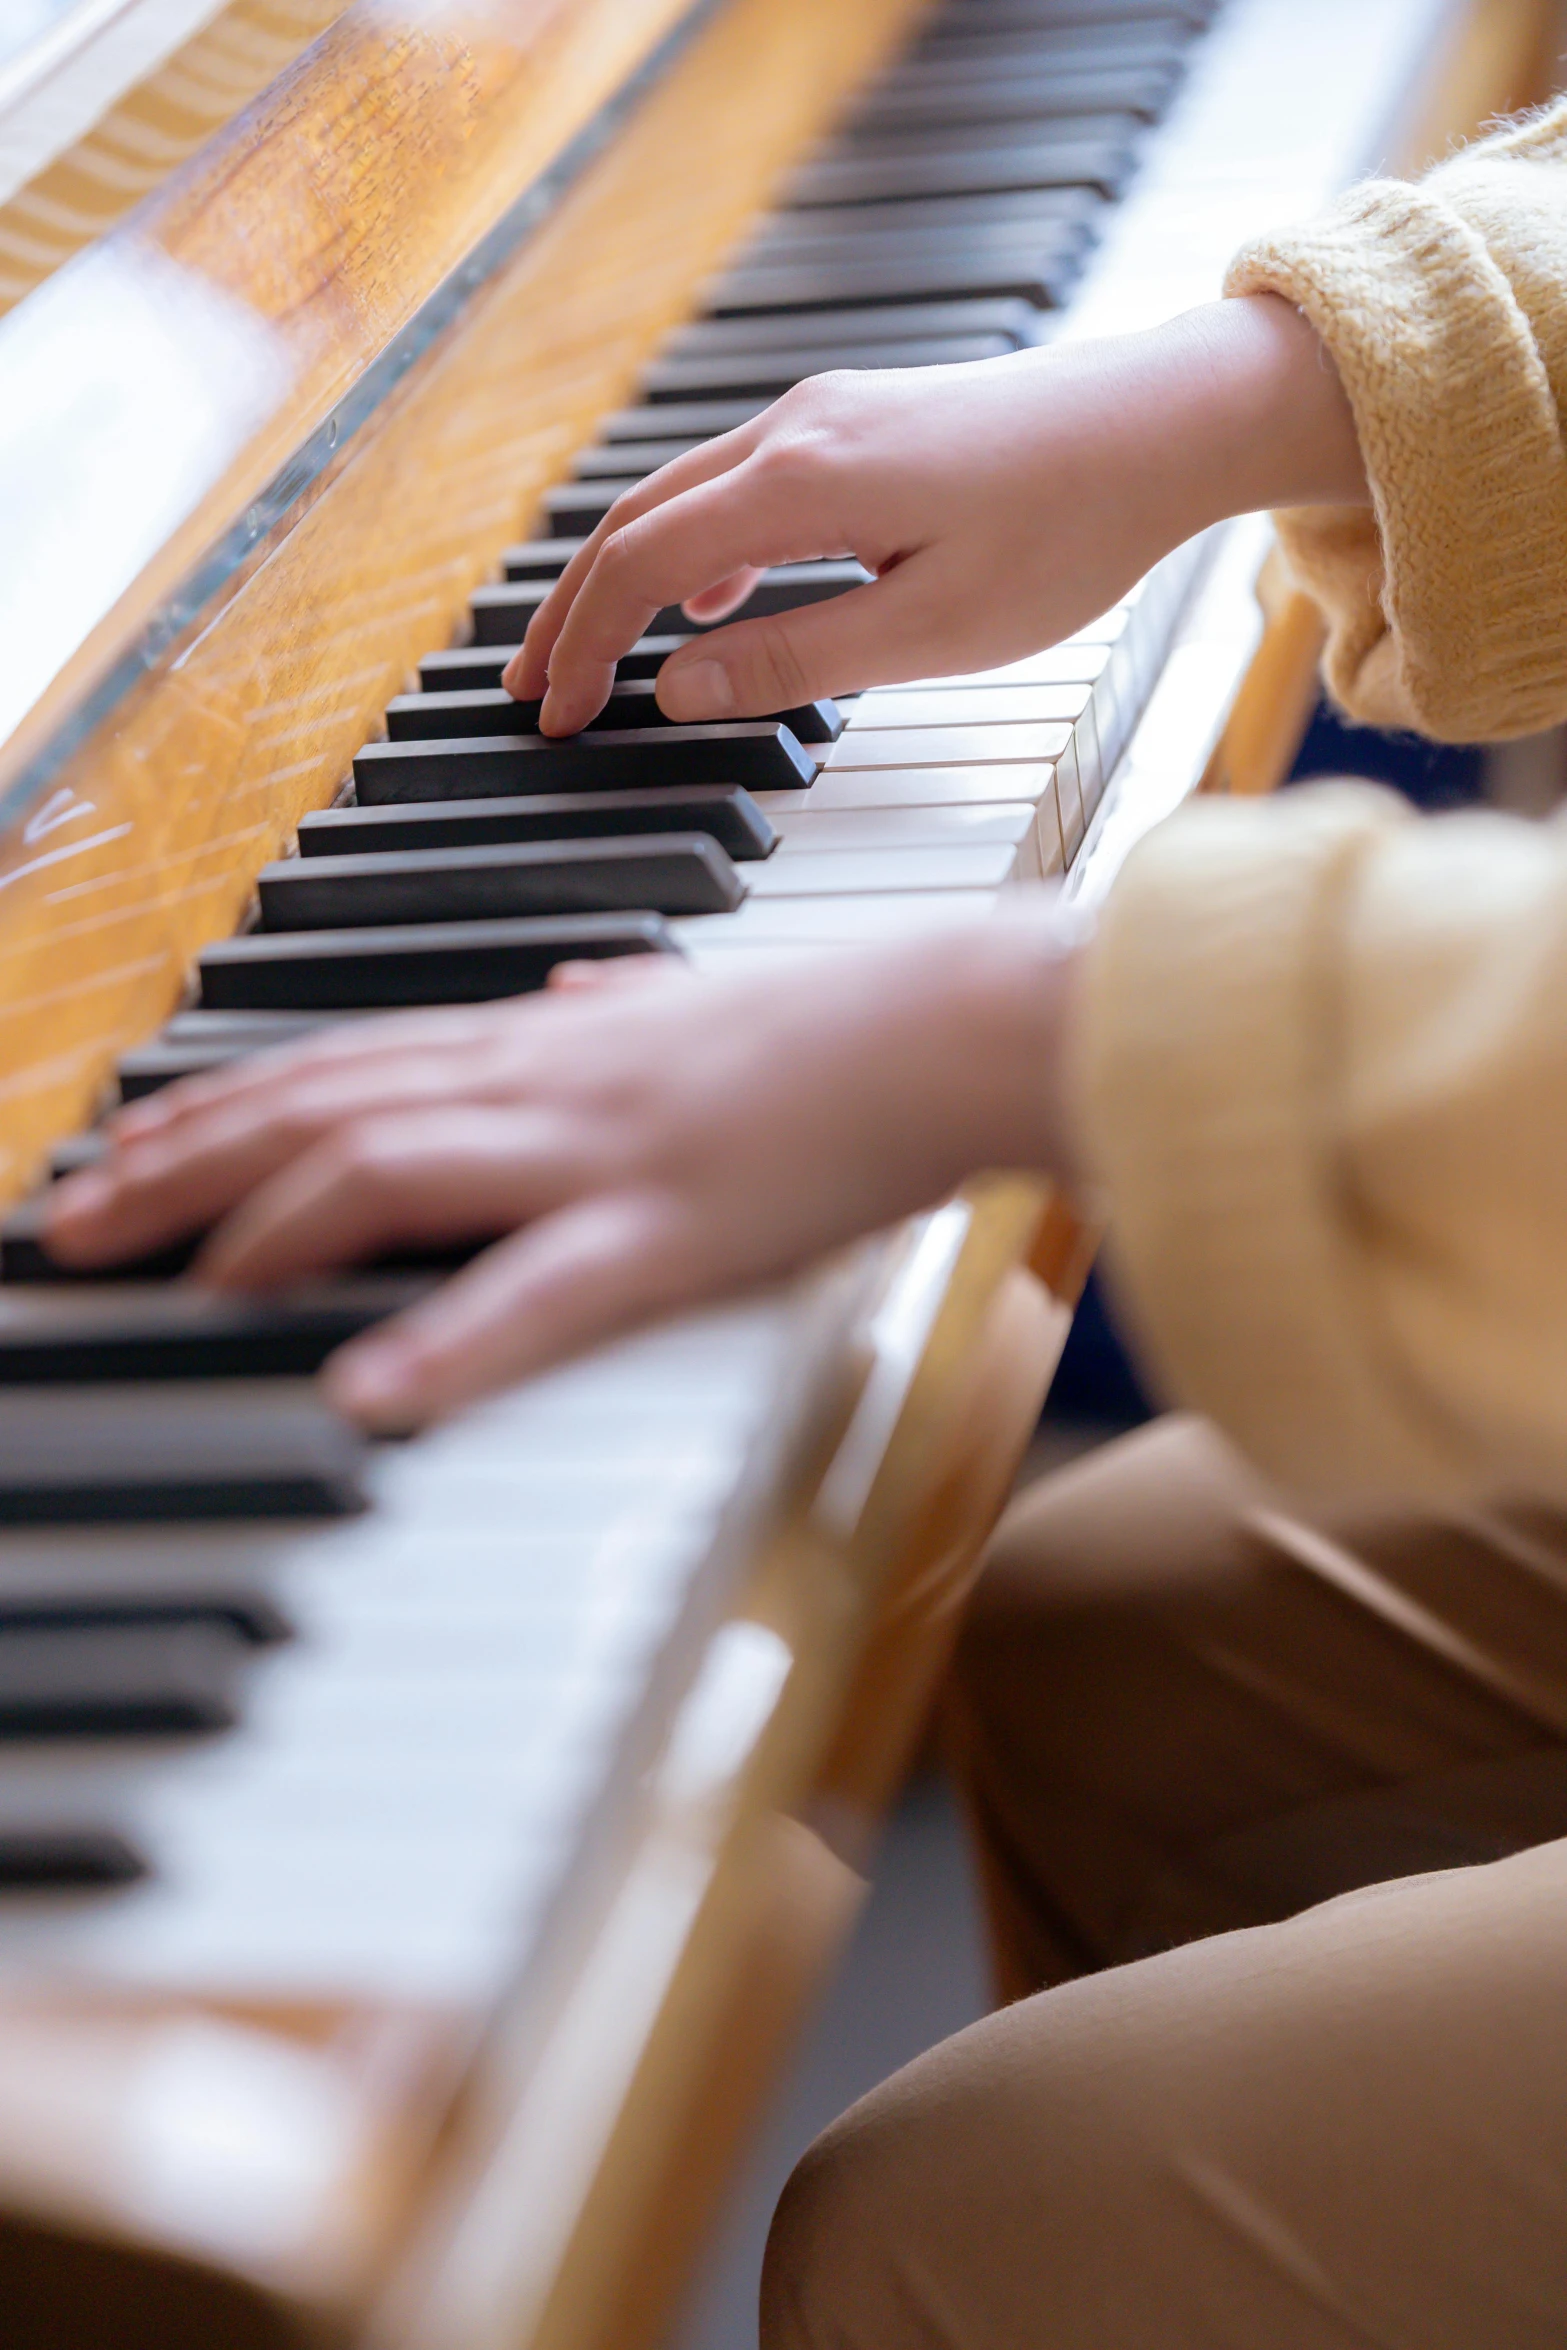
(1182, 1706)
(1346, 2129)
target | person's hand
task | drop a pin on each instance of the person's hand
(646, 1142)
(1001, 505)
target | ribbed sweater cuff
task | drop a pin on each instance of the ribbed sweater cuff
(1457, 423)
(1206, 1058)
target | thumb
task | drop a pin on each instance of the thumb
(874, 635)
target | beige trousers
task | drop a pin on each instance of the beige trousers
(1281, 1796)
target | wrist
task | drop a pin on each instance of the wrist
(1007, 993)
(1260, 416)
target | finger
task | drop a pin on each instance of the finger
(386, 1182)
(526, 675)
(716, 603)
(755, 515)
(872, 636)
(347, 1045)
(535, 1299)
(156, 1190)
(615, 971)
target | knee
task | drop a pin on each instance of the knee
(821, 2280)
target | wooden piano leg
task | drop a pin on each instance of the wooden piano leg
(801, 1885)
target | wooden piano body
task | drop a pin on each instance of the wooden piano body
(279, 423)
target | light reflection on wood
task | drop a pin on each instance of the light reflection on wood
(207, 769)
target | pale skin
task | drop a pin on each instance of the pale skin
(643, 1139)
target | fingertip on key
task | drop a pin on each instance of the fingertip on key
(79, 1200)
(375, 1383)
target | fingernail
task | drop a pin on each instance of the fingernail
(373, 1382)
(697, 689)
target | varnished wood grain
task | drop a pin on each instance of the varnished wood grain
(147, 843)
(149, 132)
(864, 1593)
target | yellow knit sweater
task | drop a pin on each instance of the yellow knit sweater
(1323, 1052)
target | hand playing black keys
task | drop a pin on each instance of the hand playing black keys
(647, 1140)
(1001, 505)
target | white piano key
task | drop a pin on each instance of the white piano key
(843, 872)
(1070, 663)
(745, 958)
(945, 746)
(486, 1635)
(953, 704)
(1032, 833)
(806, 830)
(920, 787)
(835, 921)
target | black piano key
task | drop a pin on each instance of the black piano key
(24, 1255)
(67, 1860)
(977, 139)
(149, 1069)
(629, 460)
(1177, 20)
(1015, 322)
(724, 812)
(194, 1042)
(1040, 212)
(462, 667)
(954, 42)
(122, 1333)
(964, 38)
(130, 1457)
(1102, 164)
(1039, 274)
(669, 873)
(501, 614)
(423, 963)
(648, 655)
(773, 372)
(469, 666)
(761, 755)
(1020, 97)
(74, 1152)
(573, 508)
(249, 1616)
(125, 1681)
(539, 560)
(695, 420)
(248, 1032)
(491, 710)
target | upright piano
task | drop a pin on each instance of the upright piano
(414, 1858)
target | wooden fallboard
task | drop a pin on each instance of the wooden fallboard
(331, 211)
(62, 187)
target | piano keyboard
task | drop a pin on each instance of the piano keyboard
(280, 1711)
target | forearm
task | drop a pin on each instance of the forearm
(1232, 409)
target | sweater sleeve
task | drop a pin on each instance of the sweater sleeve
(1444, 305)
(1322, 1060)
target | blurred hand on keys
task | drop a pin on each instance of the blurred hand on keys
(646, 1140)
